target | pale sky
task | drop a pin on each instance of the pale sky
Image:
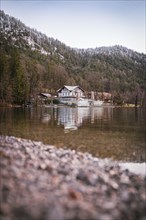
(85, 23)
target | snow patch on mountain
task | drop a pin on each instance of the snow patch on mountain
(23, 36)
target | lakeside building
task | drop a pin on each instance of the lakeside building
(69, 94)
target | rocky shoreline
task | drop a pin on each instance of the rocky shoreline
(41, 182)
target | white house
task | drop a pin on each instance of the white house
(69, 94)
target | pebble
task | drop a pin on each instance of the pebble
(42, 182)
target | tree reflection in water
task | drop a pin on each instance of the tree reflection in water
(117, 133)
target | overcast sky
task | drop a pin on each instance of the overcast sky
(85, 24)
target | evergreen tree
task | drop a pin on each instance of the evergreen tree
(18, 79)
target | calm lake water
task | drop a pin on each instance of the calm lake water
(105, 132)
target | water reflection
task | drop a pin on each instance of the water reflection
(46, 118)
(73, 118)
(117, 133)
(138, 168)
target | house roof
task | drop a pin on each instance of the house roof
(70, 88)
(46, 94)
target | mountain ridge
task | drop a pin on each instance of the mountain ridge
(115, 49)
(114, 69)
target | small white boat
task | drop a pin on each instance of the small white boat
(83, 103)
(97, 103)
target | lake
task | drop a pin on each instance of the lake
(105, 132)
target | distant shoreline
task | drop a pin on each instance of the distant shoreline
(105, 105)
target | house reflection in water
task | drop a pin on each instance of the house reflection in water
(46, 118)
(96, 113)
(72, 118)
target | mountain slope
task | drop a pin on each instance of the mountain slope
(31, 62)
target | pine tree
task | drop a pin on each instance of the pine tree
(18, 79)
(5, 86)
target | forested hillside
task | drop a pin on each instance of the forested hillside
(31, 62)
